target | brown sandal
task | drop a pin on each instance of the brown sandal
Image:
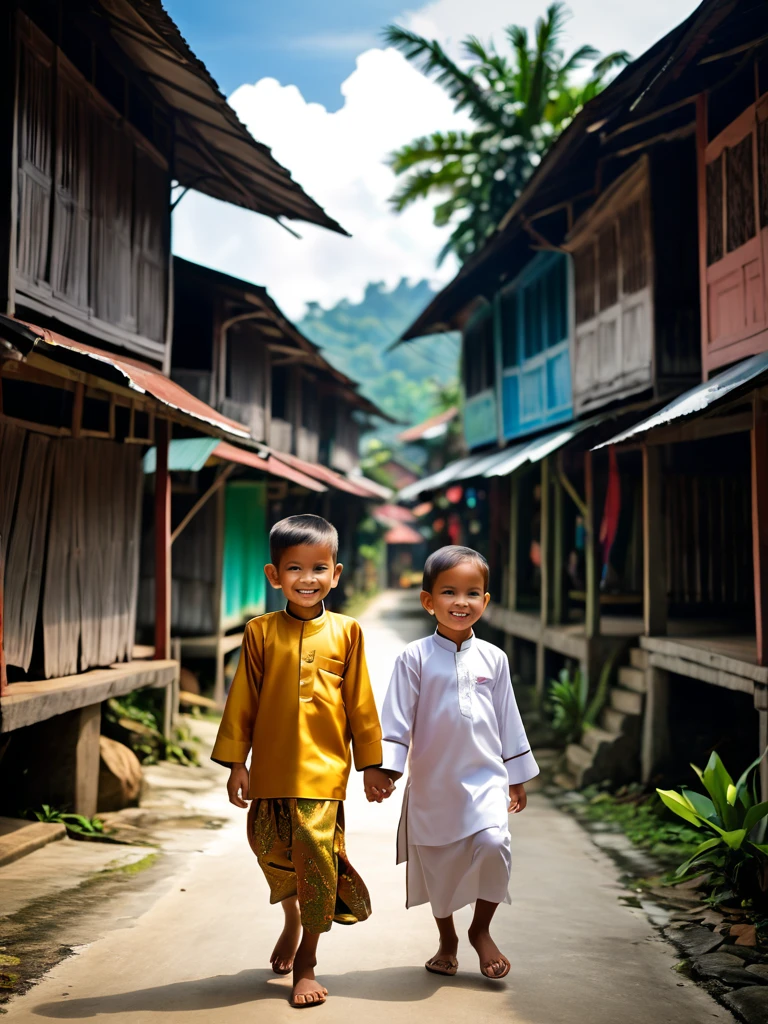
(442, 965)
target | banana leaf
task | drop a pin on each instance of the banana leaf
(708, 844)
(678, 804)
(701, 804)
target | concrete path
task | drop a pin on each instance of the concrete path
(200, 952)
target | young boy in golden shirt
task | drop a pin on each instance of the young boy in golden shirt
(301, 693)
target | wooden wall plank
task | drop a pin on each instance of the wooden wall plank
(24, 567)
(162, 543)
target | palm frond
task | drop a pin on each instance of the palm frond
(438, 146)
(584, 55)
(420, 184)
(611, 61)
(433, 61)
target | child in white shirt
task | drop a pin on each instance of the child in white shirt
(450, 705)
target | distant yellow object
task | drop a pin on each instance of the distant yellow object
(300, 696)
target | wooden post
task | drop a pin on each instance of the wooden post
(544, 540)
(86, 781)
(163, 543)
(591, 552)
(655, 740)
(514, 540)
(546, 569)
(763, 726)
(759, 460)
(558, 555)
(218, 588)
(3, 674)
(654, 535)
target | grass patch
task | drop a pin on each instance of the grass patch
(644, 820)
(356, 604)
(134, 868)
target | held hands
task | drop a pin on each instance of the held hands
(237, 785)
(378, 785)
(517, 798)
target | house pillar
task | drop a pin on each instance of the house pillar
(162, 542)
(655, 736)
(591, 552)
(759, 460)
(764, 763)
(654, 574)
(558, 553)
(3, 674)
(218, 588)
(546, 574)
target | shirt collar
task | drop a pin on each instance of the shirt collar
(449, 645)
(310, 626)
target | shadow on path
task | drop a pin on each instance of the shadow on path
(389, 984)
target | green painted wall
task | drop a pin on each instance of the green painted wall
(246, 552)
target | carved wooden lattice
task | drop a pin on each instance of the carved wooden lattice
(740, 193)
(584, 269)
(608, 262)
(633, 244)
(714, 211)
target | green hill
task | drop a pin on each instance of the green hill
(406, 382)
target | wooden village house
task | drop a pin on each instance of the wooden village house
(104, 106)
(234, 348)
(630, 537)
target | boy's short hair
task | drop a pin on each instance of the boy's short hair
(296, 530)
(448, 558)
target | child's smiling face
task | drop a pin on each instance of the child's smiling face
(457, 600)
(306, 575)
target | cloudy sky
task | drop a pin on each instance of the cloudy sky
(313, 82)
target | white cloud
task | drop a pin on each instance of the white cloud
(338, 158)
(607, 25)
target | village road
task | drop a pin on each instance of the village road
(200, 952)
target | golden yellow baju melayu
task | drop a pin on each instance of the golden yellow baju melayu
(300, 698)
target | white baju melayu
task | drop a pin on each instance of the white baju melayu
(454, 712)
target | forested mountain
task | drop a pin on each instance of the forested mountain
(407, 382)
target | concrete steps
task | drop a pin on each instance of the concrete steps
(626, 701)
(611, 750)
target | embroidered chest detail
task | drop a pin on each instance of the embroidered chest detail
(310, 657)
(466, 684)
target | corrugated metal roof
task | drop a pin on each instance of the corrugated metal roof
(134, 375)
(213, 150)
(327, 476)
(266, 462)
(742, 377)
(434, 427)
(402, 534)
(188, 454)
(506, 461)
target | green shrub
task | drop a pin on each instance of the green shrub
(731, 812)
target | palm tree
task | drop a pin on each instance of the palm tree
(518, 104)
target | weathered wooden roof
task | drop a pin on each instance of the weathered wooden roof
(214, 152)
(264, 312)
(653, 94)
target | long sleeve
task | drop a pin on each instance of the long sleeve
(360, 706)
(235, 735)
(515, 748)
(398, 713)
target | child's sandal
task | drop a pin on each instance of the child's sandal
(442, 965)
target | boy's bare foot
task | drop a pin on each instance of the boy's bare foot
(444, 961)
(493, 963)
(307, 990)
(286, 946)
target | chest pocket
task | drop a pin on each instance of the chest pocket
(321, 677)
